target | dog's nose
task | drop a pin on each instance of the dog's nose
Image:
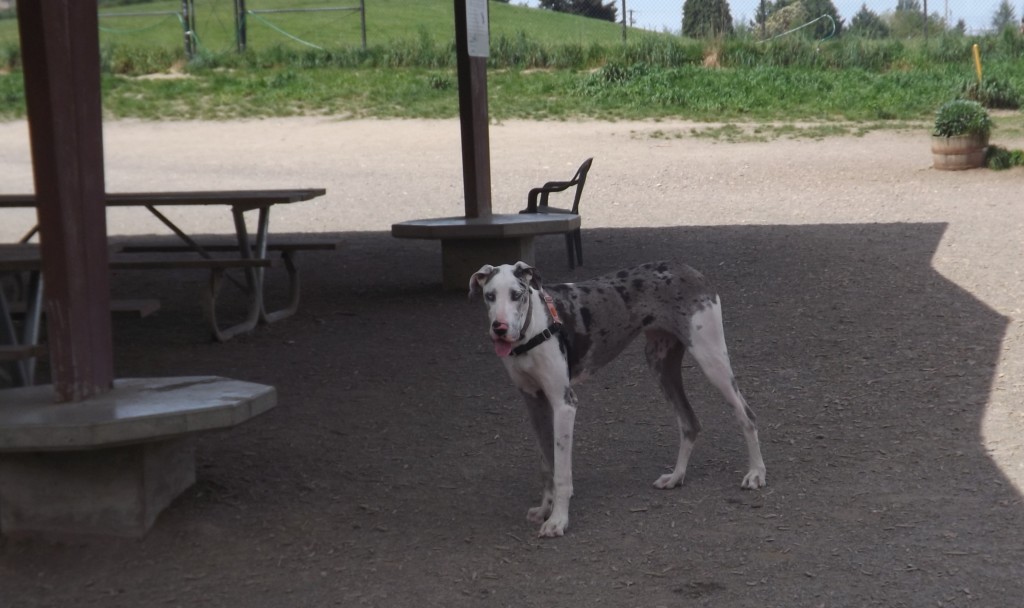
(500, 329)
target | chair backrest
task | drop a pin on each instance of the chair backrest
(578, 180)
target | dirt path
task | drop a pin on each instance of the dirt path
(873, 312)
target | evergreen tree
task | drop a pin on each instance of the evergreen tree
(910, 6)
(764, 9)
(868, 24)
(817, 8)
(1004, 17)
(706, 18)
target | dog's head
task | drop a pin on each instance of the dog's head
(506, 291)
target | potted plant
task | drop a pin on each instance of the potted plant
(960, 135)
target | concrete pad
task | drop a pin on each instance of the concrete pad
(116, 491)
(109, 465)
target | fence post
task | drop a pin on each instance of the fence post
(362, 20)
(240, 25)
(624, 13)
(188, 22)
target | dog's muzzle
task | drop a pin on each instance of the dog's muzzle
(499, 335)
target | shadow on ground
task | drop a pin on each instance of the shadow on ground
(398, 466)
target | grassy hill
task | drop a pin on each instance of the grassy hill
(387, 21)
(543, 65)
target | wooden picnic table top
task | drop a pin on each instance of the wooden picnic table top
(244, 199)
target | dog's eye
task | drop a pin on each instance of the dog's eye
(517, 295)
(489, 296)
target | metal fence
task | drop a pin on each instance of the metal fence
(977, 16)
(220, 26)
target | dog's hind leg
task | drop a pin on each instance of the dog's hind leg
(665, 358)
(543, 425)
(707, 344)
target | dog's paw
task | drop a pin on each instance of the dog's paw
(539, 514)
(668, 481)
(554, 527)
(755, 479)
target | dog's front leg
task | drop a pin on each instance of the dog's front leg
(563, 415)
(540, 416)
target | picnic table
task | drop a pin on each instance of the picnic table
(250, 254)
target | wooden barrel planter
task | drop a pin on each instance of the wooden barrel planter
(959, 152)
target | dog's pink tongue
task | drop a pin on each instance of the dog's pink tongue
(502, 348)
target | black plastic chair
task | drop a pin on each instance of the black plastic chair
(537, 202)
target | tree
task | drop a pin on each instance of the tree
(868, 24)
(909, 20)
(1004, 17)
(784, 15)
(596, 9)
(817, 8)
(764, 10)
(706, 18)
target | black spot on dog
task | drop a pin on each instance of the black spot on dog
(648, 320)
(662, 267)
(623, 293)
(622, 274)
(585, 289)
(585, 315)
(579, 346)
(638, 284)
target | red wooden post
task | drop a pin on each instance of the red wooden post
(471, 42)
(60, 54)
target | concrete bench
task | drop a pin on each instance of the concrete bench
(469, 243)
(110, 464)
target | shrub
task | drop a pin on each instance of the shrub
(961, 117)
(998, 158)
(991, 93)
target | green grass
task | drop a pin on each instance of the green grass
(565, 67)
(387, 21)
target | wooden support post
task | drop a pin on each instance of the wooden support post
(471, 49)
(60, 54)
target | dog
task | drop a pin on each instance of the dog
(550, 337)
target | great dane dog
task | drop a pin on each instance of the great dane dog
(549, 337)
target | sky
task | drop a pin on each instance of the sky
(661, 15)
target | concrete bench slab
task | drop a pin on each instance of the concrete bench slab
(109, 465)
(469, 243)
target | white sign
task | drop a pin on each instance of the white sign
(478, 32)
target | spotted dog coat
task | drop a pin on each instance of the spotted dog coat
(672, 304)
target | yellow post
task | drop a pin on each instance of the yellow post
(977, 61)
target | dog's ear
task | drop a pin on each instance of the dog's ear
(527, 273)
(476, 282)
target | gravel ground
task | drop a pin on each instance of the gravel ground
(872, 309)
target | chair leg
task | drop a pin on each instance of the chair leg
(578, 237)
(569, 249)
